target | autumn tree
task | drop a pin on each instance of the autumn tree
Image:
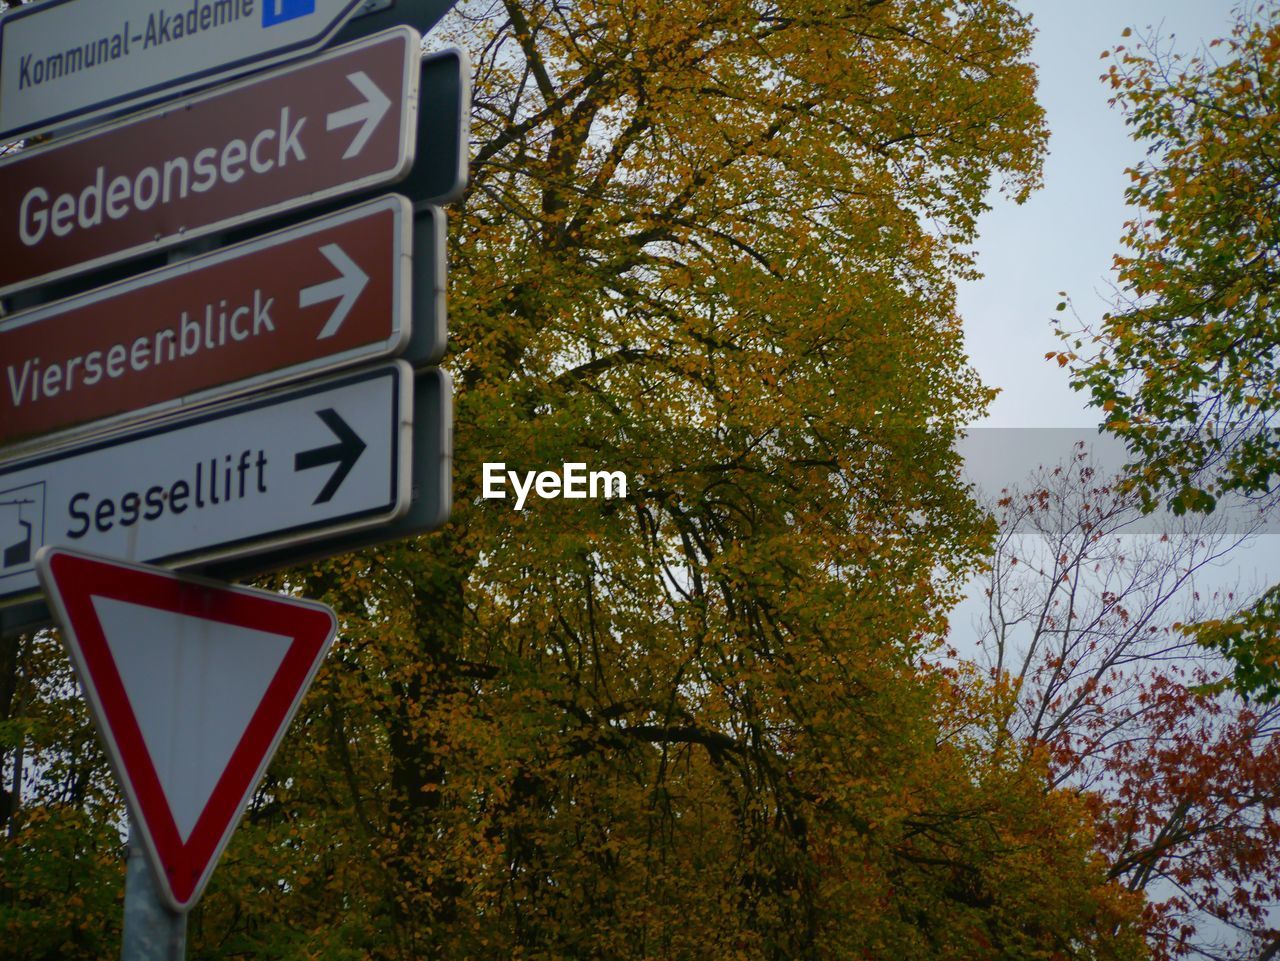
(1184, 366)
(59, 813)
(1079, 629)
(713, 245)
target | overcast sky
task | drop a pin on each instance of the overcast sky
(1064, 237)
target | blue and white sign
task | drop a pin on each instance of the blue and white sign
(65, 60)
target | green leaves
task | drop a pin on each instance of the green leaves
(1186, 363)
(1190, 342)
(1251, 639)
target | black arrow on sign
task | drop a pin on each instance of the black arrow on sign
(345, 453)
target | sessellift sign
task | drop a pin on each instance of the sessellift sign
(326, 458)
(63, 60)
(334, 125)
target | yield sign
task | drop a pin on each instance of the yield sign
(191, 684)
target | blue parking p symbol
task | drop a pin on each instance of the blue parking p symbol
(278, 11)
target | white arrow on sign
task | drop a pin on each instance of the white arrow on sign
(279, 307)
(345, 289)
(368, 114)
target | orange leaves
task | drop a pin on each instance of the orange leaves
(1130, 710)
(714, 246)
(1061, 356)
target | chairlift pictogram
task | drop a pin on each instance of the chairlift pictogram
(19, 552)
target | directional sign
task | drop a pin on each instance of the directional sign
(337, 124)
(431, 496)
(65, 59)
(298, 464)
(430, 499)
(191, 685)
(328, 293)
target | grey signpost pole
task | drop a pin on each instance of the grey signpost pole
(152, 932)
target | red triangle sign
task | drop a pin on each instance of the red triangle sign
(192, 685)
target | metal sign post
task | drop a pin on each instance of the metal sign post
(149, 411)
(152, 931)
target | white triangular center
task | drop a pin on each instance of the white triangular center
(194, 685)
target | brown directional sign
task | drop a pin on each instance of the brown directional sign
(336, 124)
(327, 293)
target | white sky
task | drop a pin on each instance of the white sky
(1064, 237)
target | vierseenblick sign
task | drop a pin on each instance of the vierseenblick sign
(327, 293)
(336, 124)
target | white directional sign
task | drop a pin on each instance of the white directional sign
(191, 684)
(286, 467)
(67, 59)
